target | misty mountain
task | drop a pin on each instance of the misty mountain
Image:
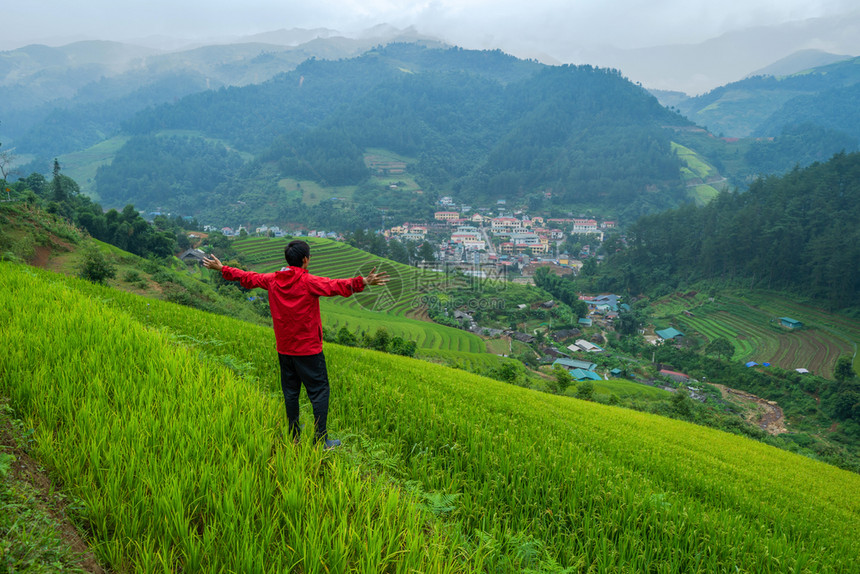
(763, 105)
(798, 62)
(484, 124)
(49, 94)
(697, 68)
(33, 75)
(291, 37)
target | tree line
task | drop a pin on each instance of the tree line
(799, 232)
(126, 229)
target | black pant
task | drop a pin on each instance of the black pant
(310, 370)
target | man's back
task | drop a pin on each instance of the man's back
(294, 303)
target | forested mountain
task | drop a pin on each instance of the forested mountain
(196, 167)
(484, 124)
(784, 121)
(799, 232)
(63, 99)
(763, 105)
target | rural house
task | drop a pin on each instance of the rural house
(583, 375)
(583, 345)
(669, 334)
(571, 364)
(192, 256)
(790, 323)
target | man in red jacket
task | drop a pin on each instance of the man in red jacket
(294, 303)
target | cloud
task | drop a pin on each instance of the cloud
(558, 27)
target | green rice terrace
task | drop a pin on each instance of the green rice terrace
(394, 308)
(338, 260)
(164, 425)
(751, 323)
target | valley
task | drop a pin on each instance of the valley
(620, 333)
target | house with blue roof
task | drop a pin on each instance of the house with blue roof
(583, 375)
(790, 323)
(669, 334)
(571, 364)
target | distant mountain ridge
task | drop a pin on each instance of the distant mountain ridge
(798, 62)
(37, 80)
(762, 105)
(484, 123)
(698, 68)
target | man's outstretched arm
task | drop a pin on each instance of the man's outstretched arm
(247, 279)
(325, 287)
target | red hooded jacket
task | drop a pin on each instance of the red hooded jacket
(294, 302)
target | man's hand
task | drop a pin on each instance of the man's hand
(374, 278)
(213, 262)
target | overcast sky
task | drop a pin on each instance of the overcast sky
(548, 29)
(544, 23)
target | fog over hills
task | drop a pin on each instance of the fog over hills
(798, 62)
(668, 45)
(698, 68)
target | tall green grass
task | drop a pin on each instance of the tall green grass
(178, 462)
(165, 421)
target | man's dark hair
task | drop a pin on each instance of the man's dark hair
(296, 251)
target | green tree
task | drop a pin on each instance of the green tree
(721, 347)
(589, 267)
(59, 194)
(95, 267)
(400, 346)
(628, 322)
(682, 404)
(585, 390)
(380, 340)
(847, 404)
(7, 159)
(844, 371)
(562, 378)
(508, 372)
(425, 252)
(346, 337)
(397, 251)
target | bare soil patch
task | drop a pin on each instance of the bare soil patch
(767, 415)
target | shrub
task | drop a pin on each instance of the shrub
(131, 276)
(585, 391)
(95, 267)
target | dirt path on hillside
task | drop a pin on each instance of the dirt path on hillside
(47, 497)
(40, 259)
(767, 415)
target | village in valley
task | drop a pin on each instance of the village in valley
(498, 243)
(506, 244)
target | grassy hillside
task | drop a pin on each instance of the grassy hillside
(702, 179)
(165, 423)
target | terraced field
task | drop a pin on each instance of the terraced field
(425, 334)
(334, 259)
(676, 303)
(393, 307)
(751, 324)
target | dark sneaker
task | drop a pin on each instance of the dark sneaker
(331, 443)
